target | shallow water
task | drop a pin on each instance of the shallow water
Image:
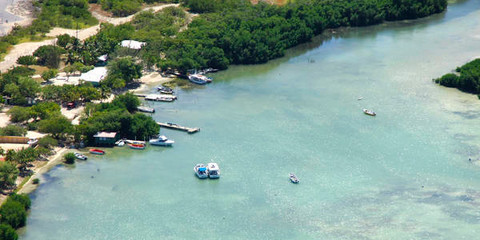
(403, 174)
(6, 16)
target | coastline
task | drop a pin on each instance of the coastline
(21, 8)
(147, 81)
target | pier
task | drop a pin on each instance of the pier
(178, 127)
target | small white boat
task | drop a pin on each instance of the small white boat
(213, 170)
(201, 171)
(145, 109)
(134, 141)
(120, 143)
(32, 141)
(165, 90)
(80, 156)
(294, 178)
(161, 141)
(369, 112)
(199, 79)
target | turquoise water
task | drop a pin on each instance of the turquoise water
(404, 174)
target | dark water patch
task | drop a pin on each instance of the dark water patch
(468, 114)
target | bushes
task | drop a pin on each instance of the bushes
(467, 78)
(13, 130)
(7, 232)
(13, 215)
(69, 158)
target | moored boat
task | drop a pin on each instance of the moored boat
(145, 109)
(96, 151)
(165, 90)
(201, 170)
(213, 170)
(199, 79)
(120, 143)
(136, 146)
(294, 178)
(80, 156)
(161, 141)
(369, 112)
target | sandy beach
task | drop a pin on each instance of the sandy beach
(22, 9)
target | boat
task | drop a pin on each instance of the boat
(294, 178)
(120, 143)
(96, 151)
(201, 171)
(134, 141)
(213, 170)
(80, 156)
(136, 146)
(161, 141)
(32, 141)
(160, 97)
(145, 109)
(369, 112)
(165, 90)
(199, 79)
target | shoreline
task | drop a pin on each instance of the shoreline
(21, 8)
(146, 82)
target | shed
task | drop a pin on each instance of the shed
(105, 138)
(94, 76)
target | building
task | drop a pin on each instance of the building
(94, 76)
(105, 138)
(132, 44)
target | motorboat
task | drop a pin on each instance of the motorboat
(32, 141)
(213, 170)
(161, 141)
(165, 90)
(201, 171)
(80, 156)
(136, 146)
(134, 141)
(145, 109)
(294, 178)
(96, 151)
(369, 112)
(120, 143)
(199, 79)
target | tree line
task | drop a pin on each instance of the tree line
(466, 78)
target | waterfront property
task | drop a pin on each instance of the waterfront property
(95, 76)
(106, 138)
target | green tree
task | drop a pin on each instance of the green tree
(49, 55)
(13, 213)
(69, 158)
(7, 232)
(58, 126)
(63, 40)
(44, 110)
(27, 60)
(24, 157)
(47, 142)
(49, 74)
(127, 101)
(19, 114)
(21, 198)
(13, 130)
(125, 69)
(8, 175)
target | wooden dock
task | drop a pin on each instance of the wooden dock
(178, 127)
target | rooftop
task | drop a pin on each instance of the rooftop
(105, 135)
(132, 44)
